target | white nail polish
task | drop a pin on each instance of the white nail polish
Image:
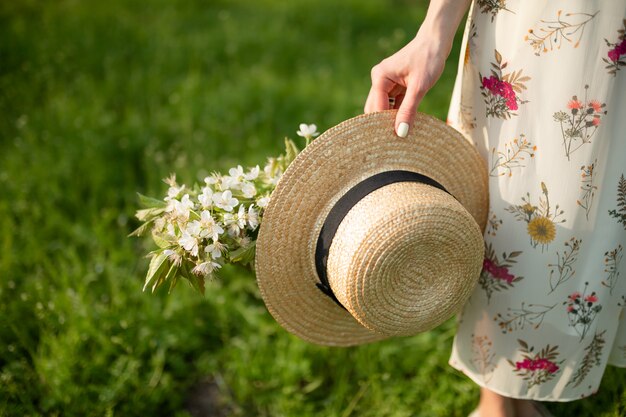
(403, 129)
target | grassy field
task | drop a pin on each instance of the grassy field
(100, 100)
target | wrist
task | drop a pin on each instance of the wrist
(441, 22)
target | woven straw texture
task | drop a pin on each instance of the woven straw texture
(332, 164)
(405, 258)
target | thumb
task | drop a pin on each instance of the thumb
(406, 112)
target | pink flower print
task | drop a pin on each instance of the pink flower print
(596, 121)
(491, 84)
(537, 364)
(525, 364)
(617, 51)
(495, 275)
(499, 272)
(536, 367)
(613, 55)
(591, 298)
(500, 90)
(503, 274)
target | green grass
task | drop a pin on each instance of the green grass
(100, 100)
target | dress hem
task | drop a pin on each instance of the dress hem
(482, 384)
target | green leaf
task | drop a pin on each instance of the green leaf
(160, 241)
(142, 229)
(158, 265)
(244, 255)
(172, 277)
(149, 202)
(148, 213)
(291, 151)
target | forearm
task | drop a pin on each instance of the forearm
(442, 20)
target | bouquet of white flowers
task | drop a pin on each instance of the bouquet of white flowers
(202, 227)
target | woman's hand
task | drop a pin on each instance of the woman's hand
(408, 74)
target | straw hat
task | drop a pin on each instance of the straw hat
(369, 236)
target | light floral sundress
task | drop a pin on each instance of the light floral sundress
(541, 92)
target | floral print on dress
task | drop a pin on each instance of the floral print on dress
(536, 368)
(495, 275)
(551, 33)
(587, 187)
(612, 260)
(582, 310)
(482, 356)
(512, 156)
(593, 354)
(518, 318)
(617, 51)
(500, 92)
(541, 219)
(620, 212)
(580, 159)
(580, 123)
(493, 223)
(492, 6)
(563, 269)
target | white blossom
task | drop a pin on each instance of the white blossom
(206, 198)
(189, 243)
(252, 174)
(253, 218)
(225, 200)
(232, 183)
(209, 227)
(307, 131)
(212, 179)
(213, 250)
(236, 172)
(248, 190)
(173, 192)
(263, 201)
(205, 268)
(180, 208)
(173, 256)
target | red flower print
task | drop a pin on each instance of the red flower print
(595, 105)
(591, 298)
(536, 367)
(582, 312)
(574, 104)
(491, 83)
(574, 296)
(580, 124)
(537, 364)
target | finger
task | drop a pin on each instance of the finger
(407, 110)
(377, 100)
(398, 101)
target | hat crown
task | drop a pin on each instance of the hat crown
(395, 248)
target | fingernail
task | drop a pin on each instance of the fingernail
(403, 129)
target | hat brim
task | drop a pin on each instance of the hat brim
(324, 171)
